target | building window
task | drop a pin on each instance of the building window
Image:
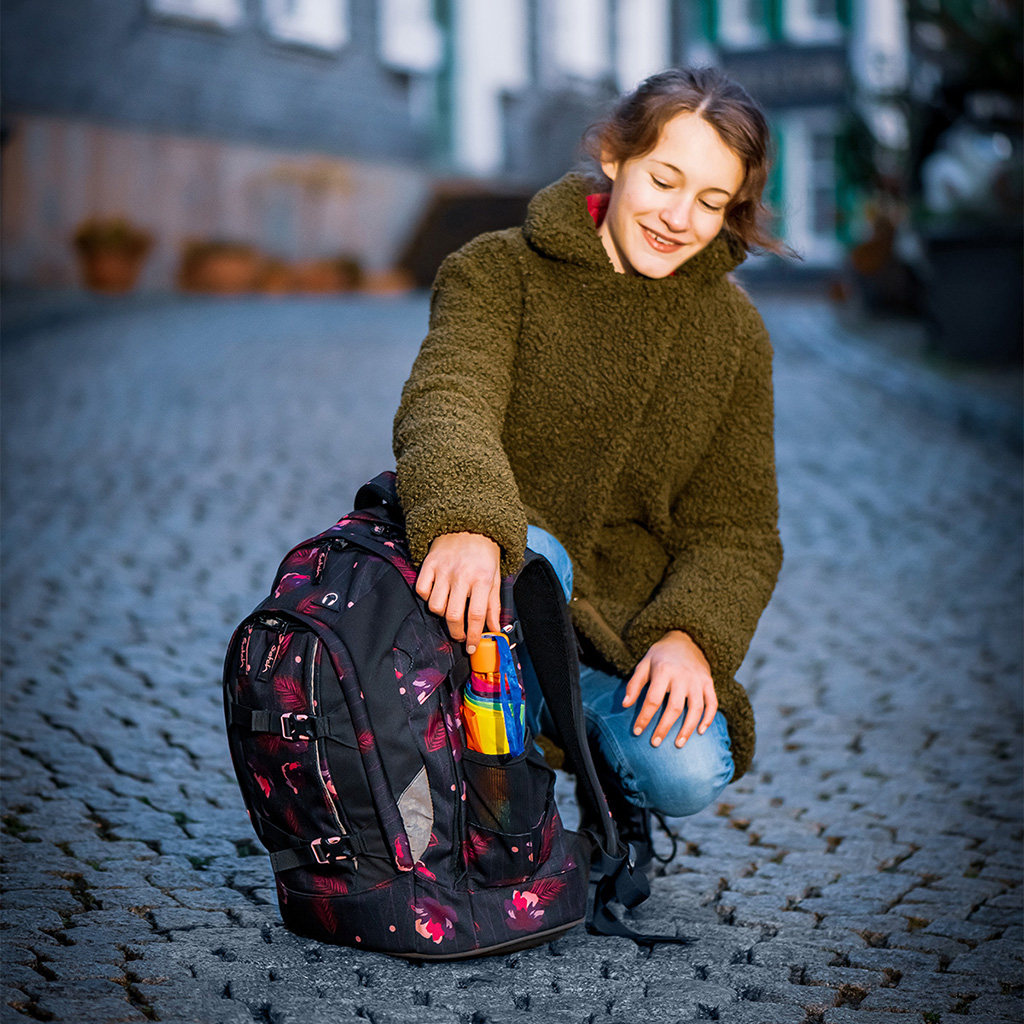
(578, 36)
(812, 21)
(809, 185)
(221, 13)
(643, 33)
(484, 75)
(743, 23)
(410, 38)
(320, 24)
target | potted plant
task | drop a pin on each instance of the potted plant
(220, 267)
(329, 275)
(967, 169)
(111, 252)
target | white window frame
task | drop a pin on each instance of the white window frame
(578, 37)
(219, 13)
(316, 24)
(484, 74)
(798, 173)
(410, 38)
(738, 31)
(802, 25)
(643, 40)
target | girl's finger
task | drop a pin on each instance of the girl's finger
(694, 710)
(649, 708)
(673, 709)
(438, 601)
(636, 682)
(425, 579)
(494, 607)
(455, 612)
(710, 709)
(477, 612)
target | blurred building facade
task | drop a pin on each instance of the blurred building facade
(320, 127)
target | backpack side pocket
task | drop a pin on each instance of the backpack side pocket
(511, 816)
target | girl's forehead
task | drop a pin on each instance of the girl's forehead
(689, 142)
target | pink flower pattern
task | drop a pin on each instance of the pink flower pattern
(526, 908)
(434, 920)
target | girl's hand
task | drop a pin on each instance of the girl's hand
(460, 579)
(674, 666)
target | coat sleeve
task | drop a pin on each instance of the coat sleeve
(725, 548)
(453, 474)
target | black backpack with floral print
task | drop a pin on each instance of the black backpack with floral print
(342, 698)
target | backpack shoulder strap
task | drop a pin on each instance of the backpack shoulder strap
(544, 620)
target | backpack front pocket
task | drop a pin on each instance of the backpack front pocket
(510, 815)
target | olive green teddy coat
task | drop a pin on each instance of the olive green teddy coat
(630, 417)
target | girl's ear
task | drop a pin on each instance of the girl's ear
(610, 168)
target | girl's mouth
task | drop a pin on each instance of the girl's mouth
(659, 243)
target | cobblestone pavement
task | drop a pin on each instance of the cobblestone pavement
(159, 459)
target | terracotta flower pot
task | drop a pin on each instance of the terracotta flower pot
(111, 271)
(388, 282)
(220, 268)
(111, 253)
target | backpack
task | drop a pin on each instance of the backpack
(342, 697)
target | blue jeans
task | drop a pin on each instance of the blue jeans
(664, 778)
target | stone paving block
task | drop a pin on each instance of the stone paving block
(174, 919)
(942, 946)
(133, 898)
(903, 960)
(965, 930)
(184, 1009)
(955, 988)
(780, 953)
(761, 1013)
(1001, 959)
(219, 898)
(997, 1008)
(849, 1015)
(837, 977)
(17, 922)
(843, 906)
(101, 1010)
(984, 890)
(908, 1001)
(995, 917)
(937, 902)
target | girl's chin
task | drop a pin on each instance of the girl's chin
(656, 268)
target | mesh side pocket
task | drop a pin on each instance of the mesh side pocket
(509, 802)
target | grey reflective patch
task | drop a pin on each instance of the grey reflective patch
(417, 813)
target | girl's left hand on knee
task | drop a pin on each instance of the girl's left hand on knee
(673, 667)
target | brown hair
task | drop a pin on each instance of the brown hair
(636, 124)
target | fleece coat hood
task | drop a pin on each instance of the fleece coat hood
(630, 417)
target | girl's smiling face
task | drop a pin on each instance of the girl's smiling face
(670, 203)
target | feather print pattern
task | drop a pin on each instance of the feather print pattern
(437, 735)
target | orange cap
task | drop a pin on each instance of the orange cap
(485, 660)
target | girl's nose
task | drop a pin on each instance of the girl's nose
(677, 216)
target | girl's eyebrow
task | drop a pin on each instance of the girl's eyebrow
(675, 170)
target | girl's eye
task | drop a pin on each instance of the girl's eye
(659, 183)
(710, 207)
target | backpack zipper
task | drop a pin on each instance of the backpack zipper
(320, 746)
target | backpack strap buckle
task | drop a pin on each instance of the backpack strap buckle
(326, 856)
(290, 728)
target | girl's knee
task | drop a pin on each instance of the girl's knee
(690, 781)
